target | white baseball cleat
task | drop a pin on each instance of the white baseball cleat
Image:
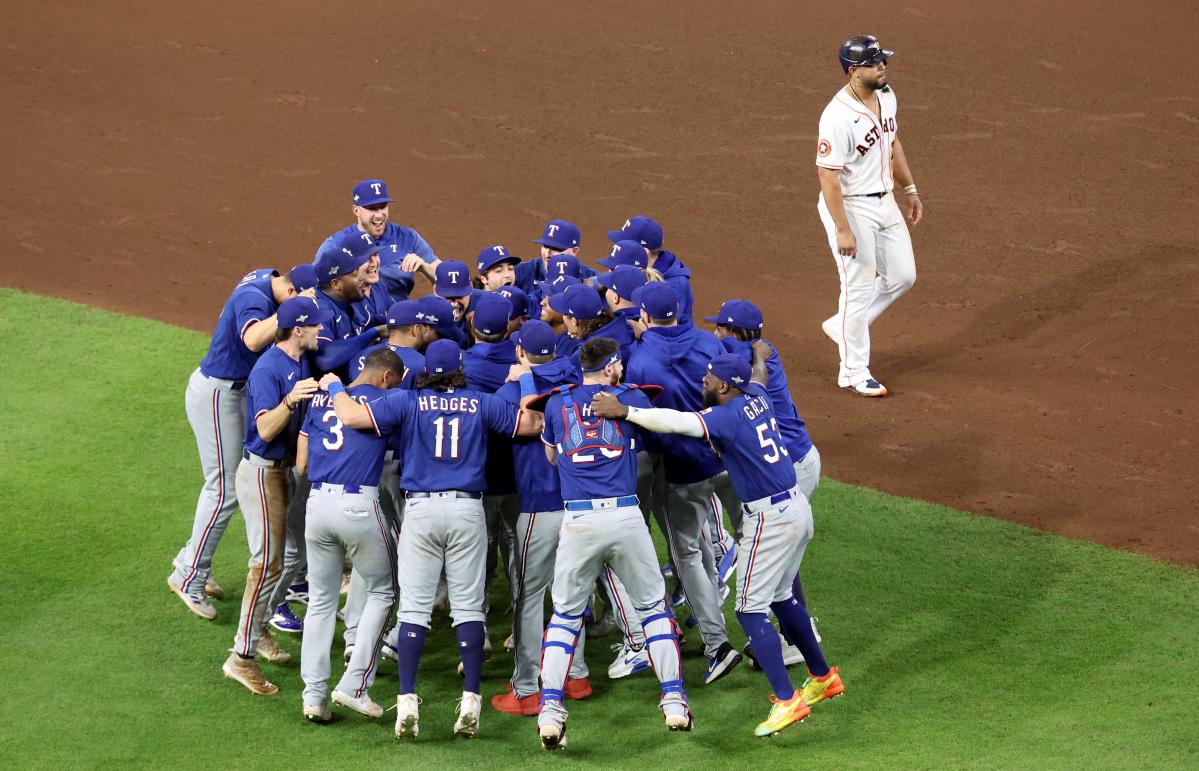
(469, 708)
(869, 387)
(363, 706)
(829, 327)
(551, 725)
(407, 716)
(675, 709)
(196, 603)
(317, 713)
(628, 661)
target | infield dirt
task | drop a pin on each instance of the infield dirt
(1041, 365)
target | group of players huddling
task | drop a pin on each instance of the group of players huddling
(535, 417)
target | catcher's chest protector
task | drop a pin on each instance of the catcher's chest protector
(589, 436)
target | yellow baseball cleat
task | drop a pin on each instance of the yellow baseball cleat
(817, 689)
(783, 714)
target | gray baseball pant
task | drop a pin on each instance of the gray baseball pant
(263, 493)
(442, 530)
(295, 553)
(217, 414)
(534, 553)
(688, 509)
(341, 524)
(391, 500)
(807, 478)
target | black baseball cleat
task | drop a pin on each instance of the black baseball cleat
(722, 663)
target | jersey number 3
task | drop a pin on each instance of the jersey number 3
(442, 424)
(338, 436)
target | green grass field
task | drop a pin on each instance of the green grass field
(963, 641)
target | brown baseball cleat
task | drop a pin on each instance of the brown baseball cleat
(213, 589)
(270, 650)
(246, 672)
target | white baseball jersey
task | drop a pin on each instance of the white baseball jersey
(857, 143)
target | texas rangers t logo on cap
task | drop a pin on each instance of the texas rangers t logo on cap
(552, 230)
(453, 274)
(377, 187)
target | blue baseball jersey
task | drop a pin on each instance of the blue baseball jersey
(273, 377)
(487, 364)
(617, 329)
(251, 301)
(341, 327)
(339, 454)
(676, 358)
(371, 310)
(414, 362)
(745, 433)
(536, 478)
(443, 435)
(791, 425)
(398, 242)
(600, 460)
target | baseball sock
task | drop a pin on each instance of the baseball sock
(797, 590)
(769, 650)
(470, 644)
(797, 628)
(411, 644)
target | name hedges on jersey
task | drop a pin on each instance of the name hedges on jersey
(435, 403)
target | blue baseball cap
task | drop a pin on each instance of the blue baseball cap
(491, 314)
(403, 313)
(659, 301)
(741, 314)
(371, 192)
(731, 368)
(518, 299)
(443, 356)
(494, 255)
(623, 279)
(301, 312)
(349, 253)
(641, 229)
(303, 276)
(580, 301)
(453, 279)
(536, 338)
(563, 265)
(435, 312)
(626, 253)
(560, 235)
(558, 285)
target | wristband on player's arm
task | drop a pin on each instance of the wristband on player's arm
(336, 388)
(528, 387)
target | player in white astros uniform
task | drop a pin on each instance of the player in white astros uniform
(860, 160)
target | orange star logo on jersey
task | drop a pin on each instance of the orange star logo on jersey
(824, 148)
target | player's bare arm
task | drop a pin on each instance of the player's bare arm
(271, 422)
(349, 412)
(302, 453)
(260, 334)
(913, 209)
(414, 263)
(830, 185)
(530, 422)
(551, 454)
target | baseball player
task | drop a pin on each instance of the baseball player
(550, 316)
(216, 405)
(371, 310)
(738, 324)
(859, 160)
(342, 274)
(597, 468)
(452, 283)
(648, 233)
(522, 306)
(277, 386)
(497, 267)
(586, 316)
(558, 237)
(619, 285)
(442, 427)
(403, 251)
(344, 518)
(741, 425)
(674, 356)
(537, 527)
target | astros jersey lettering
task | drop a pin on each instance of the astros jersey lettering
(745, 433)
(443, 435)
(338, 454)
(272, 378)
(601, 459)
(251, 301)
(853, 140)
